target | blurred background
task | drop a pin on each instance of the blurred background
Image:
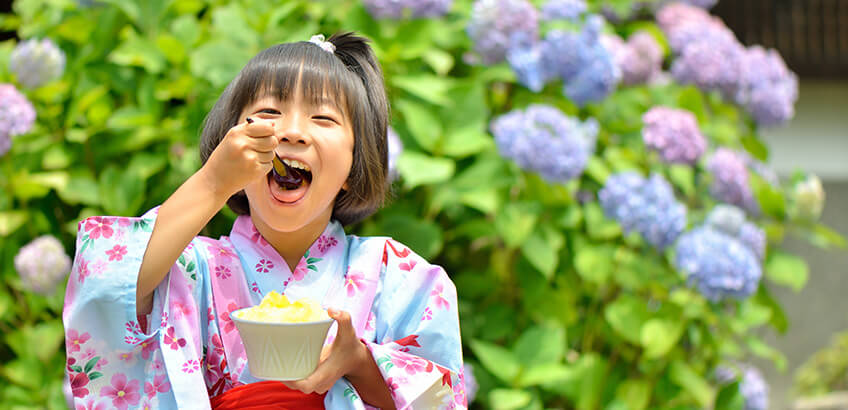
(642, 203)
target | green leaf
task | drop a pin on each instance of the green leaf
(509, 399)
(542, 250)
(626, 315)
(218, 61)
(787, 270)
(545, 373)
(94, 375)
(497, 360)
(46, 339)
(594, 263)
(422, 236)
(122, 192)
(636, 393)
(10, 221)
(684, 376)
(90, 364)
(229, 22)
(420, 169)
(540, 345)
(755, 147)
(465, 141)
(440, 61)
(516, 221)
(730, 398)
(140, 52)
(683, 177)
(429, 88)
(422, 123)
(761, 349)
(770, 199)
(659, 336)
(690, 99)
(598, 225)
(26, 372)
(598, 169)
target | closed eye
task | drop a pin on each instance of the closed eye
(325, 118)
(269, 111)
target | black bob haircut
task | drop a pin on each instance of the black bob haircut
(351, 77)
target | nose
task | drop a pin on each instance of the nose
(293, 129)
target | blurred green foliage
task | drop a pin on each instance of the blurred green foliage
(558, 308)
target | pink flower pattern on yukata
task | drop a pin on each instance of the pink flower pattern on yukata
(172, 340)
(325, 243)
(354, 283)
(221, 252)
(89, 354)
(264, 266)
(98, 226)
(82, 270)
(222, 272)
(98, 267)
(257, 237)
(229, 326)
(439, 297)
(78, 383)
(191, 366)
(217, 344)
(92, 403)
(209, 315)
(395, 383)
(133, 327)
(128, 358)
(147, 347)
(300, 270)
(428, 314)
(181, 309)
(410, 364)
(131, 340)
(76, 340)
(254, 287)
(160, 385)
(117, 253)
(122, 393)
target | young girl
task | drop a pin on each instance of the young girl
(296, 145)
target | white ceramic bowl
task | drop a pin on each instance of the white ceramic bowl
(282, 351)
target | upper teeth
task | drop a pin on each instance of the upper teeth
(296, 164)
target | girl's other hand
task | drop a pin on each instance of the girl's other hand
(244, 155)
(342, 357)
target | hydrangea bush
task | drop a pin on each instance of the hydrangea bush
(597, 258)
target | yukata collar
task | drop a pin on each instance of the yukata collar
(247, 239)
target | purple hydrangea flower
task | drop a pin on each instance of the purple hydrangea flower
(752, 385)
(471, 385)
(395, 9)
(395, 149)
(683, 24)
(17, 116)
(42, 264)
(542, 139)
(647, 206)
(563, 9)
(730, 179)
(711, 64)
(674, 134)
(731, 220)
(717, 264)
(768, 89)
(494, 23)
(704, 4)
(35, 62)
(639, 59)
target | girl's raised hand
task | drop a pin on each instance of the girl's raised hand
(244, 155)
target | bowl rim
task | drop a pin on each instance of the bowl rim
(256, 322)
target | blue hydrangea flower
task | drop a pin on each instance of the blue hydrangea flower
(42, 264)
(17, 116)
(35, 62)
(544, 140)
(395, 9)
(471, 385)
(525, 58)
(563, 9)
(598, 78)
(647, 206)
(732, 221)
(711, 65)
(717, 264)
(752, 385)
(768, 89)
(731, 182)
(674, 133)
(395, 149)
(494, 23)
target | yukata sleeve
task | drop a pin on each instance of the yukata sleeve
(114, 358)
(417, 347)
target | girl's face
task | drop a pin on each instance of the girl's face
(318, 138)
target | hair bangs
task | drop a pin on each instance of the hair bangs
(317, 75)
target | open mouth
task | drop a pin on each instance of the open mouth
(289, 179)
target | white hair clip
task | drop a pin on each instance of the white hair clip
(318, 40)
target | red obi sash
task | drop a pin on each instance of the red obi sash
(266, 395)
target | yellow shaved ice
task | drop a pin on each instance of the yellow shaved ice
(277, 308)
